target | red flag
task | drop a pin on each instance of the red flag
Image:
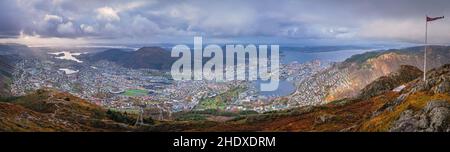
(429, 19)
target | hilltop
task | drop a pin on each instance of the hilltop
(146, 57)
(50, 110)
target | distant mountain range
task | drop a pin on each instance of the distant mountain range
(146, 57)
(12, 48)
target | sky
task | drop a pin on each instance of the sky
(70, 22)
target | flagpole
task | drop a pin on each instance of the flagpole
(425, 52)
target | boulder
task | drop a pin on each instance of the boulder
(443, 87)
(434, 117)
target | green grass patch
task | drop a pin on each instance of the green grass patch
(220, 101)
(135, 92)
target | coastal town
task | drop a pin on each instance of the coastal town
(130, 90)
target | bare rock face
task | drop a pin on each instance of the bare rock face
(439, 116)
(390, 105)
(362, 70)
(405, 74)
(434, 117)
(443, 87)
(406, 123)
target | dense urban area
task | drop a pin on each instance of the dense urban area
(125, 89)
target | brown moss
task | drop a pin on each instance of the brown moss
(415, 102)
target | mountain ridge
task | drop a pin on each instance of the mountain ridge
(50, 110)
(145, 57)
(348, 78)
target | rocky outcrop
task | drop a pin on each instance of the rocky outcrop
(405, 74)
(434, 117)
(426, 116)
(364, 71)
(441, 84)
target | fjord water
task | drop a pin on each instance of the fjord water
(300, 55)
(325, 57)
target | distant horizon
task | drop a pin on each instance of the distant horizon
(167, 44)
(326, 22)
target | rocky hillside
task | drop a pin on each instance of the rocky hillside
(405, 74)
(347, 79)
(361, 71)
(47, 110)
(419, 106)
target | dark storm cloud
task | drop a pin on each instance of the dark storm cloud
(400, 20)
(11, 19)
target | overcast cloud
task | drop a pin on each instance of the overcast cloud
(253, 20)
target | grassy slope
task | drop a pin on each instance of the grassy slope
(54, 111)
(415, 102)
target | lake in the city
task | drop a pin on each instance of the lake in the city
(284, 88)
